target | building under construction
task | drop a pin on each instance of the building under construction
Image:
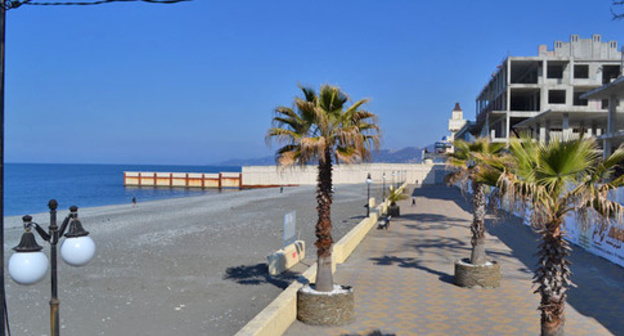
(543, 94)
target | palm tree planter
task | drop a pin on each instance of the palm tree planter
(394, 196)
(469, 275)
(467, 160)
(328, 309)
(320, 129)
(556, 179)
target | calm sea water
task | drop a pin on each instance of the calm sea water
(29, 187)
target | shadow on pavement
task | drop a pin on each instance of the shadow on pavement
(412, 263)
(372, 333)
(600, 283)
(426, 219)
(259, 274)
(441, 193)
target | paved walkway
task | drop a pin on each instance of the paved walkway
(403, 279)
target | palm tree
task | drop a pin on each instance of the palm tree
(466, 161)
(395, 195)
(556, 179)
(321, 128)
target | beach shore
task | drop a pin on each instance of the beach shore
(189, 266)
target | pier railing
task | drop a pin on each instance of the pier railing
(183, 180)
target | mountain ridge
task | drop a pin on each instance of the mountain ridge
(403, 155)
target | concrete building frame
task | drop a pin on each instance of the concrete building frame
(545, 95)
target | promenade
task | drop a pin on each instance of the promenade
(403, 279)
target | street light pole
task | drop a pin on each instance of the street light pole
(368, 182)
(54, 301)
(3, 313)
(29, 265)
(383, 192)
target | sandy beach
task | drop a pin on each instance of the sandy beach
(190, 266)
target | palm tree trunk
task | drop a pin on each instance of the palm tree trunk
(477, 228)
(552, 279)
(324, 277)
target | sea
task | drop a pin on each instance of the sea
(29, 186)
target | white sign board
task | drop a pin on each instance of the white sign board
(290, 226)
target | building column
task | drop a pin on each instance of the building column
(611, 122)
(547, 132)
(565, 128)
(542, 133)
(592, 129)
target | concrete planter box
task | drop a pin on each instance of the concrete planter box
(327, 309)
(468, 275)
(394, 210)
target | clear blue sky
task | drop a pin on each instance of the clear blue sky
(197, 82)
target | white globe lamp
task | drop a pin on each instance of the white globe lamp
(78, 249)
(28, 265)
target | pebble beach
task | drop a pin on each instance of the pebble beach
(188, 266)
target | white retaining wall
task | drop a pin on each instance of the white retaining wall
(604, 241)
(342, 174)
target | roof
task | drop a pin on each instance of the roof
(615, 88)
(575, 118)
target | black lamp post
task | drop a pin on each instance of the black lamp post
(394, 178)
(369, 181)
(29, 265)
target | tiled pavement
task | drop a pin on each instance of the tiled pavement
(403, 279)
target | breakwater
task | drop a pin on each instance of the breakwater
(183, 180)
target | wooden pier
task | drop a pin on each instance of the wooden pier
(184, 180)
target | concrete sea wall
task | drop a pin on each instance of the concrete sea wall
(346, 174)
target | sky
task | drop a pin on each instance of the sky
(197, 82)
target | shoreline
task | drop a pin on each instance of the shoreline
(14, 221)
(192, 266)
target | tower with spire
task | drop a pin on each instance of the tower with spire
(456, 122)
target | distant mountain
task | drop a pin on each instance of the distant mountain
(264, 161)
(405, 155)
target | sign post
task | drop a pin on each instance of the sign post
(290, 227)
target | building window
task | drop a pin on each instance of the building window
(577, 99)
(556, 97)
(609, 73)
(555, 70)
(581, 71)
